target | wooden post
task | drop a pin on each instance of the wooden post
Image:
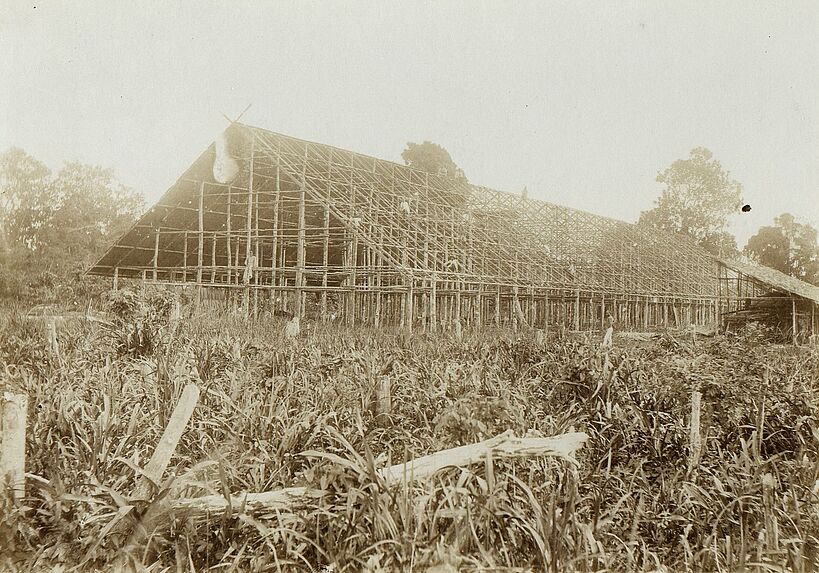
(228, 237)
(249, 230)
(236, 261)
(156, 253)
(433, 299)
(324, 261)
(184, 259)
(793, 317)
(298, 310)
(115, 286)
(383, 398)
(694, 431)
(155, 469)
(410, 303)
(577, 310)
(352, 246)
(161, 457)
(378, 281)
(274, 259)
(13, 443)
(213, 259)
(201, 247)
(497, 307)
(546, 313)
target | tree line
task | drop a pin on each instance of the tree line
(53, 226)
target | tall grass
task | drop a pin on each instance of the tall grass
(276, 413)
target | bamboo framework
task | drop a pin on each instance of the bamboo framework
(331, 232)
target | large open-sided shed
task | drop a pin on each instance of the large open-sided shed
(333, 231)
(766, 295)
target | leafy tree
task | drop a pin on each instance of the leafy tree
(789, 246)
(53, 227)
(23, 183)
(92, 210)
(769, 247)
(697, 199)
(432, 158)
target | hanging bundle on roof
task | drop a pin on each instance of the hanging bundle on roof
(225, 165)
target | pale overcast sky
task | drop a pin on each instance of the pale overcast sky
(583, 102)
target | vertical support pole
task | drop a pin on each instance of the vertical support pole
(274, 258)
(433, 299)
(236, 261)
(410, 303)
(324, 261)
(577, 310)
(497, 307)
(256, 253)
(353, 260)
(228, 237)
(184, 258)
(603, 312)
(352, 252)
(793, 317)
(378, 280)
(13, 444)
(115, 286)
(283, 277)
(213, 259)
(645, 315)
(201, 247)
(298, 311)
(546, 312)
(249, 229)
(156, 253)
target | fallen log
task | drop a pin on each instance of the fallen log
(503, 446)
(281, 499)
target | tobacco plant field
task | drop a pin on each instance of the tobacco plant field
(276, 413)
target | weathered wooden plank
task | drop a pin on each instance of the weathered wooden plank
(167, 444)
(13, 443)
